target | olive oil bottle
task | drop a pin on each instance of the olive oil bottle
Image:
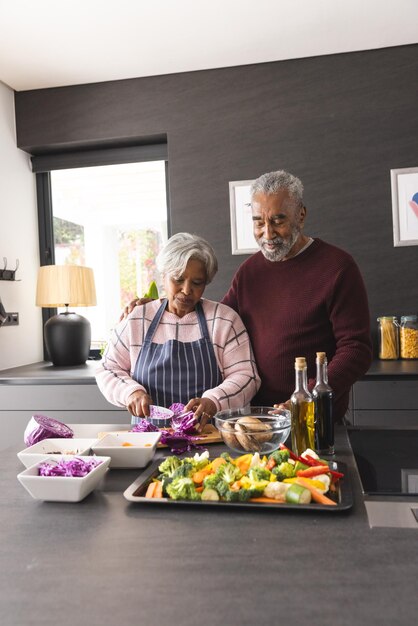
(323, 396)
(302, 410)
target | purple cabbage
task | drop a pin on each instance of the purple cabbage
(42, 427)
(144, 426)
(178, 441)
(177, 408)
(76, 468)
(185, 423)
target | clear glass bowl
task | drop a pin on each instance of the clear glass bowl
(253, 429)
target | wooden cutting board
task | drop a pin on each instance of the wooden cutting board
(209, 435)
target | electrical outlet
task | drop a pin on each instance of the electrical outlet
(12, 319)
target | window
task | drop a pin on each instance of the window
(112, 218)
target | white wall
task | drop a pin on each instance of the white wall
(19, 345)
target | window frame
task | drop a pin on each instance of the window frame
(43, 165)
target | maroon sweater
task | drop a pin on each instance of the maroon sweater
(315, 301)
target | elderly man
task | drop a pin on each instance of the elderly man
(299, 295)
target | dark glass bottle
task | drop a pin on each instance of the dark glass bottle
(323, 396)
(302, 410)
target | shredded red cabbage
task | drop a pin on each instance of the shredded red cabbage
(177, 408)
(184, 423)
(178, 441)
(43, 427)
(76, 468)
(144, 426)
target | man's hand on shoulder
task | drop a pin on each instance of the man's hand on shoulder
(130, 307)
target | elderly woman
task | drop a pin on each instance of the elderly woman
(182, 348)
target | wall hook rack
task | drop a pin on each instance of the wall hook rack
(7, 274)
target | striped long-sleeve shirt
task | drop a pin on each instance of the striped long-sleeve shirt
(229, 338)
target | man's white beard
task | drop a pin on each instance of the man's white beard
(282, 247)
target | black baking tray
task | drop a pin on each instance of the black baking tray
(344, 496)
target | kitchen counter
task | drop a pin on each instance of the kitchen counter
(45, 373)
(106, 561)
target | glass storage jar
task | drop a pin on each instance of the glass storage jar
(409, 337)
(388, 337)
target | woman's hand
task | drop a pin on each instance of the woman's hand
(138, 403)
(130, 307)
(203, 408)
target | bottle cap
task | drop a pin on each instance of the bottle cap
(321, 357)
(300, 362)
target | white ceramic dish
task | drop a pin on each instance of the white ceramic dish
(62, 488)
(51, 448)
(138, 454)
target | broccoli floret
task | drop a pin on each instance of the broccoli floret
(231, 496)
(184, 470)
(227, 457)
(244, 495)
(229, 472)
(169, 466)
(166, 480)
(280, 456)
(215, 481)
(284, 470)
(182, 489)
(259, 473)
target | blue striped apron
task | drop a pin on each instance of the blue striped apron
(177, 371)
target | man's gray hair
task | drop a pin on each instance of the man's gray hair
(272, 182)
(178, 251)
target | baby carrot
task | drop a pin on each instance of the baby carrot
(317, 496)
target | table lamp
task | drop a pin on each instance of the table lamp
(67, 335)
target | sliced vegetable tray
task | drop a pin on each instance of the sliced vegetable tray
(136, 493)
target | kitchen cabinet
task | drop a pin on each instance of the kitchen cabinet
(69, 394)
(387, 396)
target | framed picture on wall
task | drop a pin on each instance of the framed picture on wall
(405, 206)
(242, 238)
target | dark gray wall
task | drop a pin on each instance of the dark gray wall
(339, 122)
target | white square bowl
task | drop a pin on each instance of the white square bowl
(51, 448)
(138, 453)
(62, 488)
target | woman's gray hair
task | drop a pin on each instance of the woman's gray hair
(178, 251)
(272, 182)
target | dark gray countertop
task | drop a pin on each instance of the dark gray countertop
(45, 373)
(106, 561)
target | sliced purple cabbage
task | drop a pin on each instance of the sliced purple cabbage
(76, 468)
(184, 423)
(177, 408)
(43, 427)
(144, 426)
(177, 441)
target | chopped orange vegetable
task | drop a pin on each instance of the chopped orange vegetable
(198, 477)
(310, 472)
(151, 490)
(243, 462)
(200, 489)
(126, 444)
(236, 486)
(317, 496)
(216, 463)
(158, 491)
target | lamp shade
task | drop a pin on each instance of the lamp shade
(65, 285)
(67, 335)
